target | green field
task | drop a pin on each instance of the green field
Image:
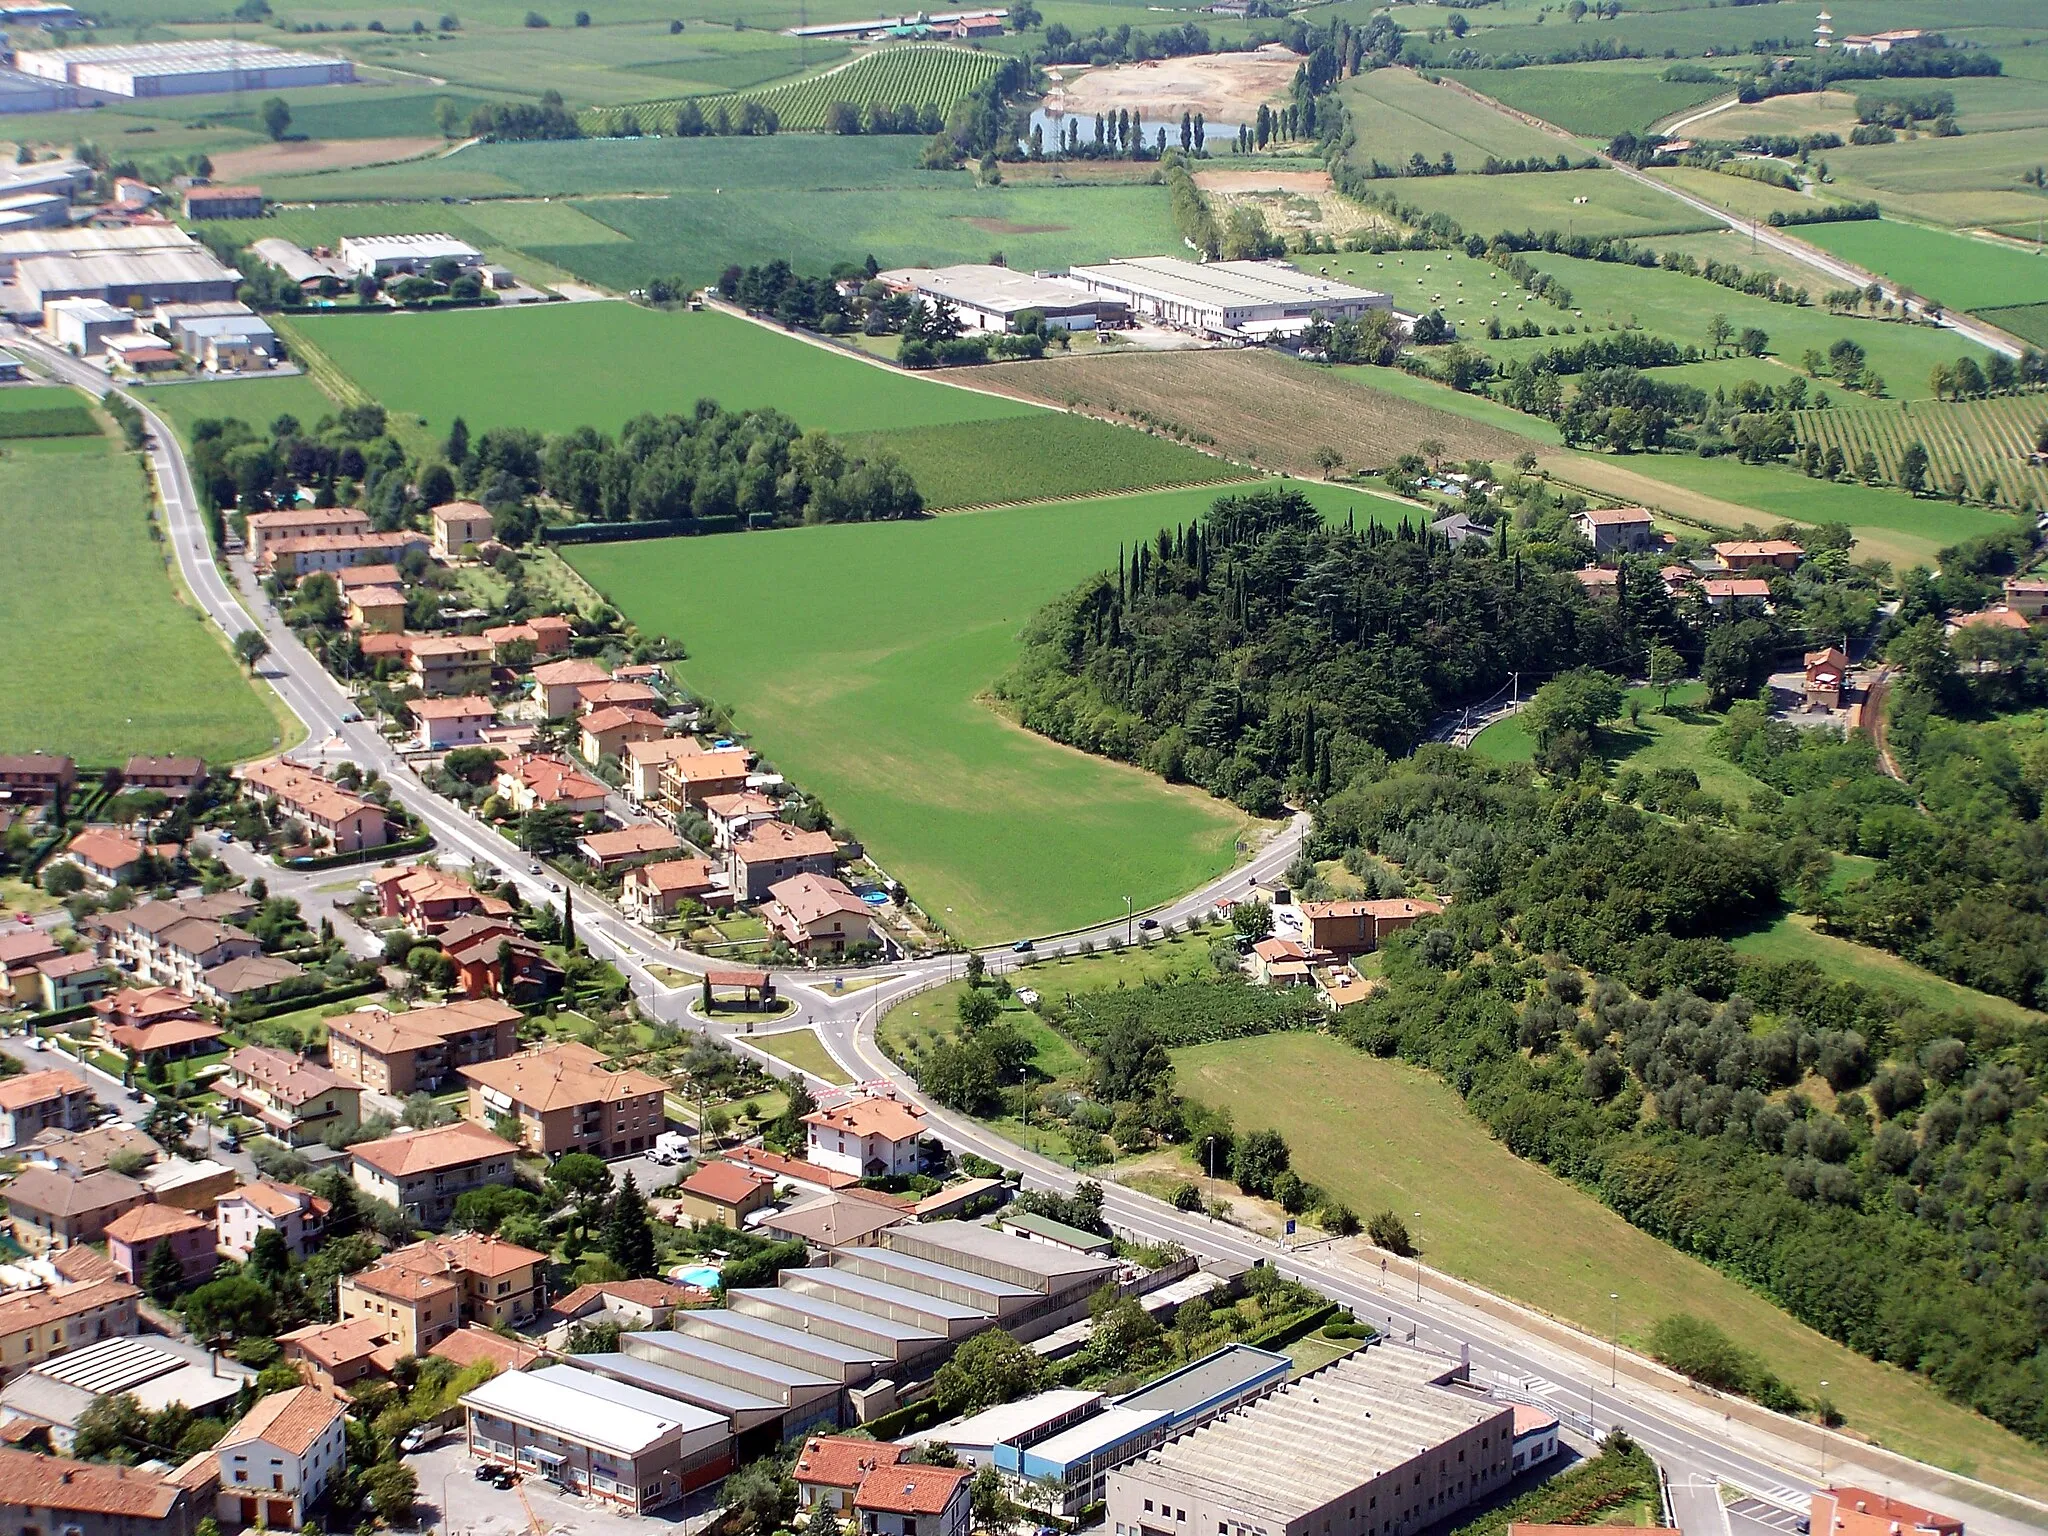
(36, 411)
(1609, 294)
(1382, 1135)
(1397, 113)
(644, 208)
(101, 657)
(1968, 180)
(1726, 493)
(256, 401)
(602, 364)
(1486, 205)
(917, 75)
(1792, 937)
(1957, 271)
(2029, 322)
(1743, 196)
(1596, 100)
(857, 657)
(1031, 458)
(803, 1049)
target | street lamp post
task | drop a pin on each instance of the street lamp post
(1130, 933)
(1418, 1262)
(1823, 1434)
(1613, 1338)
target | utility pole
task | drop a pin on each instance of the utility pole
(1613, 1338)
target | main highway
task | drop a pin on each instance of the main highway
(1701, 1441)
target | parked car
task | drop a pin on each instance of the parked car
(485, 1472)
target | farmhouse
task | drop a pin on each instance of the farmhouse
(458, 524)
(1358, 927)
(1724, 592)
(988, 298)
(1229, 300)
(386, 255)
(1613, 529)
(1761, 555)
(302, 523)
(303, 554)
(223, 202)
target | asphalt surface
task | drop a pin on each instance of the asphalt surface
(1693, 1437)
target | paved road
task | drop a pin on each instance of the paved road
(1677, 1426)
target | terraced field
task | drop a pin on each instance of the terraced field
(1988, 440)
(914, 75)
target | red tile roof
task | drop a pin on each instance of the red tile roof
(293, 1421)
(906, 1489)
(871, 1117)
(32, 1481)
(725, 1183)
(841, 1461)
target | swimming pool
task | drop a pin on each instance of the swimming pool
(703, 1276)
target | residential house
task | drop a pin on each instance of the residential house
(453, 722)
(606, 730)
(557, 685)
(426, 900)
(150, 942)
(494, 958)
(535, 781)
(620, 692)
(113, 857)
(1997, 616)
(424, 1292)
(1827, 678)
(79, 1498)
(190, 1184)
(34, 1102)
(49, 1209)
(340, 820)
(21, 983)
(724, 1194)
(245, 976)
(401, 1054)
(277, 1463)
(296, 1100)
(36, 1326)
(793, 1174)
(846, 1218)
(870, 1138)
(134, 1236)
(1278, 962)
(173, 777)
(2027, 595)
(635, 1305)
(335, 1356)
(1847, 1511)
(1599, 580)
(565, 1100)
(1728, 591)
(473, 1342)
(423, 1173)
(1353, 927)
(658, 890)
(733, 816)
(776, 851)
(153, 1021)
(460, 525)
(645, 762)
(72, 981)
(304, 555)
(450, 664)
(83, 1152)
(243, 1213)
(623, 847)
(375, 610)
(695, 777)
(1760, 555)
(359, 576)
(1614, 530)
(36, 778)
(301, 523)
(910, 1499)
(816, 914)
(548, 635)
(829, 1469)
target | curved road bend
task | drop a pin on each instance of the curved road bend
(1676, 1425)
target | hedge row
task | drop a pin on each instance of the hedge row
(418, 844)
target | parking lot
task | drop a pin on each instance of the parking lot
(453, 1503)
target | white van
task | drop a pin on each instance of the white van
(670, 1148)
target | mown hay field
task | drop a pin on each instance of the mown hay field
(1255, 406)
(1955, 270)
(1614, 205)
(1398, 113)
(914, 75)
(1988, 441)
(1597, 100)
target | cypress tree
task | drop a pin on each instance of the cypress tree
(628, 1239)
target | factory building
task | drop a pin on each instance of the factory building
(988, 298)
(1385, 1442)
(128, 240)
(182, 69)
(26, 93)
(144, 280)
(1227, 300)
(389, 255)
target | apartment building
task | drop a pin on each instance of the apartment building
(423, 1173)
(565, 1100)
(421, 1049)
(297, 1101)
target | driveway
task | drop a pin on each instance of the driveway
(454, 1503)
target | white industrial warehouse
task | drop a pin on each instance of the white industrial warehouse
(990, 298)
(182, 69)
(1229, 300)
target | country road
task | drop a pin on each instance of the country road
(1774, 1460)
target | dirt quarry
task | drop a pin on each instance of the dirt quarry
(1223, 87)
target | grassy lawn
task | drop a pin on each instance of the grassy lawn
(802, 1048)
(867, 688)
(1485, 205)
(312, 1022)
(256, 401)
(443, 366)
(133, 669)
(1793, 937)
(1383, 1135)
(1683, 738)
(1598, 100)
(1398, 113)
